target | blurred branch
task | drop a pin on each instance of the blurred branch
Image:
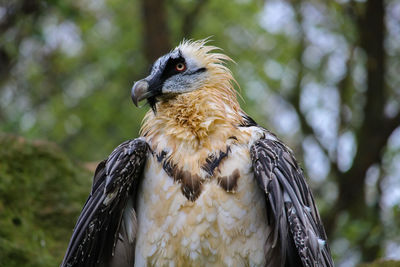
(5, 63)
(344, 88)
(306, 128)
(13, 11)
(373, 134)
(191, 18)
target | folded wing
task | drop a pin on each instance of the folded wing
(299, 237)
(105, 224)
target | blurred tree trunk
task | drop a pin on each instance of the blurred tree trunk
(372, 135)
(191, 18)
(156, 33)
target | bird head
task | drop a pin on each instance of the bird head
(187, 68)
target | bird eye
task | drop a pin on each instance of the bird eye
(180, 67)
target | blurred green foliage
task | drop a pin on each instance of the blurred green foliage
(304, 69)
(76, 62)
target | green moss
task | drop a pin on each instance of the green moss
(42, 192)
(381, 263)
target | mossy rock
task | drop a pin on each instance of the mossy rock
(42, 192)
(381, 263)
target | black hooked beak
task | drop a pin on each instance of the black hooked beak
(140, 91)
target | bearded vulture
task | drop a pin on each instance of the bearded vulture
(203, 185)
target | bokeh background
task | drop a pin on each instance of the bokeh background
(323, 75)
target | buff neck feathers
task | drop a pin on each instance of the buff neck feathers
(202, 119)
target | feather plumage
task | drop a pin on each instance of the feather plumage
(294, 215)
(99, 227)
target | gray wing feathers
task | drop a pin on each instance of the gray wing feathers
(106, 225)
(298, 237)
(125, 247)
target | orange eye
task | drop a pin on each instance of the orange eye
(180, 67)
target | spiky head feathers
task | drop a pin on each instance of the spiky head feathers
(191, 66)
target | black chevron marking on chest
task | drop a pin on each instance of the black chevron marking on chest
(192, 183)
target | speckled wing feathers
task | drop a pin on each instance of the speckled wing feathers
(99, 226)
(299, 237)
